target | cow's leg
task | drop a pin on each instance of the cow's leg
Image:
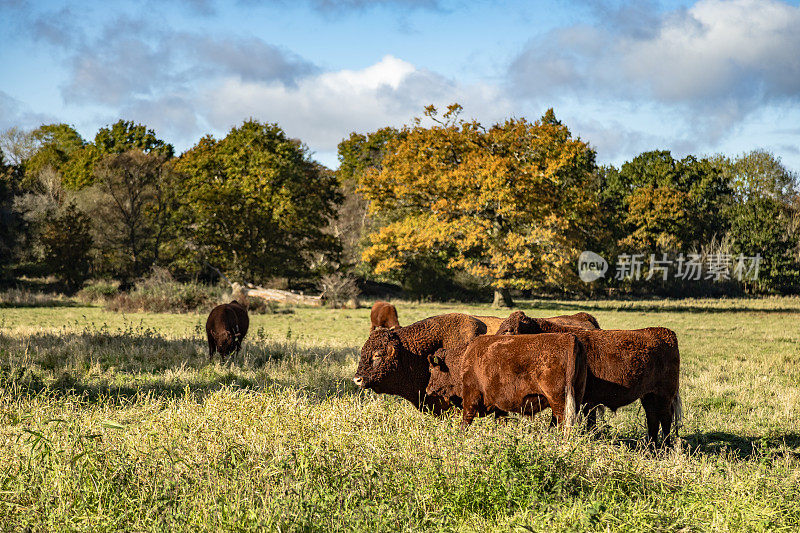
(211, 345)
(666, 415)
(654, 411)
(558, 405)
(470, 404)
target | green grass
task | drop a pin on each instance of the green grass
(118, 422)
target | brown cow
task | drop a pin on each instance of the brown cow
(383, 315)
(524, 374)
(396, 361)
(225, 328)
(580, 320)
(624, 366)
(546, 325)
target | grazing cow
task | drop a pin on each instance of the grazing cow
(383, 315)
(525, 375)
(396, 361)
(624, 366)
(225, 328)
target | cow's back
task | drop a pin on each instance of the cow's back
(624, 364)
(241, 317)
(578, 320)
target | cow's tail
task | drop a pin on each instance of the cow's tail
(575, 382)
(677, 412)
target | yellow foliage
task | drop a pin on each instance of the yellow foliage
(510, 203)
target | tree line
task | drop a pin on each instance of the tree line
(444, 206)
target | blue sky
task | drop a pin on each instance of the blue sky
(702, 77)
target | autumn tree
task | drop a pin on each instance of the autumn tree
(358, 154)
(255, 204)
(509, 204)
(57, 235)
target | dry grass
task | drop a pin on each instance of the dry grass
(119, 422)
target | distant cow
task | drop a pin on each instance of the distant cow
(523, 374)
(225, 328)
(383, 315)
(624, 366)
(396, 361)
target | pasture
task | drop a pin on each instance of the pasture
(115, 422)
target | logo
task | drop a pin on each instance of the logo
(591, 267)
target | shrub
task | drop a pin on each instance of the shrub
(339, 289)
(98, 291)
(18, 297)
(160, 293)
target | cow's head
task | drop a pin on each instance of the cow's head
(445, 380)
(380, 358)
(518, 323)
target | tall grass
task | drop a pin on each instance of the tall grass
(124, 425)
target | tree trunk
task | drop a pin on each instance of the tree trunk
(502, 298)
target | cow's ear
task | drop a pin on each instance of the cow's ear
(391, 351)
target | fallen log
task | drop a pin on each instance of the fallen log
(277, 295)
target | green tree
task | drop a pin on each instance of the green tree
(130, 208)
(55, 145)
(759, 174)
(10, 222)
(255, 204)
(509, 204)
(67, 243)
(126, 135)
(763, 225)
(667, 204)
(764, 217)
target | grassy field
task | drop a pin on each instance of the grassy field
(118, 422)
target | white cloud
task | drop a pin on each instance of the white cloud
(745, 49)
(707, 67)
(323, 109)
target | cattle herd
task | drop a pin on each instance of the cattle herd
(493, 365)
(523, 365)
